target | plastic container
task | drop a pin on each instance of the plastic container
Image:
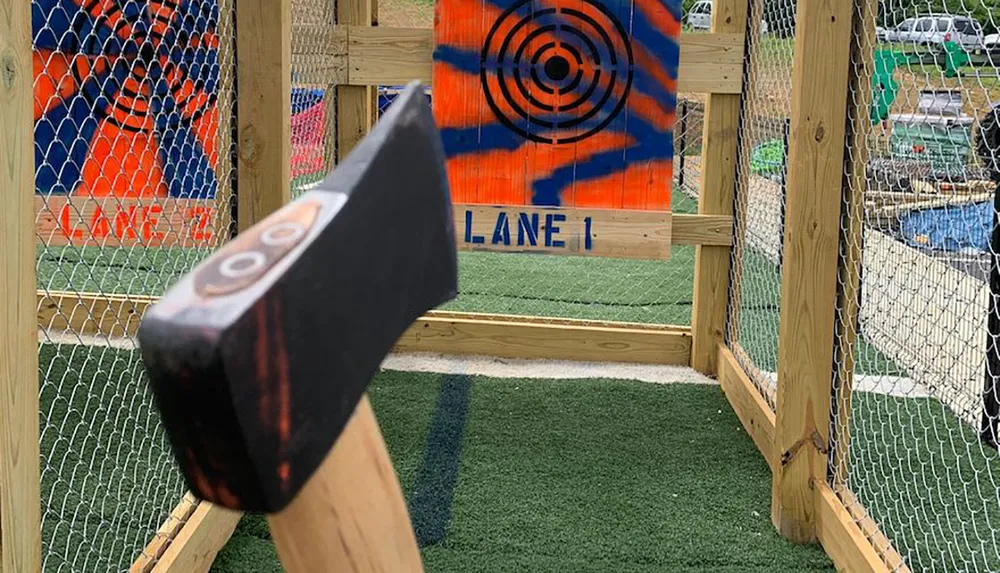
(940, 143)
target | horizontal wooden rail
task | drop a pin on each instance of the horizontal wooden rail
(169, 531)
(188, 223)
(439, 332)
(845, 530)
(367, 56)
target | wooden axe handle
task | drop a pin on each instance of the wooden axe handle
(351, 515)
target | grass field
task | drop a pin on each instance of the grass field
(516, 475)
(598, 475)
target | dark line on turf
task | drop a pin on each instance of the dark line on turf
(430, 503)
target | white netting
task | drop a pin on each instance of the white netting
(760, 194)
(133, 112)
(925, 213)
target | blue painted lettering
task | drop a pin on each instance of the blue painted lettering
(551, 229)
(526, 227)
(501, 232)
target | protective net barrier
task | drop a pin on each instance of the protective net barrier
(760, 174)
(917, 223)
(132, 122)
(314, 97)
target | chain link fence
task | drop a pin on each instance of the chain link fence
(920, 212)
(133, 106)
(762, 147)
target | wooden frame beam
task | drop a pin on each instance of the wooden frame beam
(360, 55)
(718, 183)
(156, 222)
(820, 96)
(439, 331)
(843, 529)
(264, 108)
(20, 489)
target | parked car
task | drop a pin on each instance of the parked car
(700, 17)
(934, 30)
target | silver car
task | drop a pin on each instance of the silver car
(936, 29)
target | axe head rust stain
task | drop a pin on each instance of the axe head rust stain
(258, 357)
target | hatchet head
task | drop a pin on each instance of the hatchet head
(258, 357)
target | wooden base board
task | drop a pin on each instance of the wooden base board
(165, 535)
(846, 533)
(197, 544)
(437, 332)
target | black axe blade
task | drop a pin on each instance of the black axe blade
(258, 357)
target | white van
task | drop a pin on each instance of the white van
(700, 17)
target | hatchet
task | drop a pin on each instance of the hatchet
(259, 358)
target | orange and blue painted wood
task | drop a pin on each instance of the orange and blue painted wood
(558, 102)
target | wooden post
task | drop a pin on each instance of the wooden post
(809, 270)
(849, 281)
(20, 496)
(718, 164)
(354, 103)
(264, 107)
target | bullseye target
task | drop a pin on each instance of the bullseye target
(563, 103)
(561, 80)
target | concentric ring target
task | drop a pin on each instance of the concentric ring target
(556, 74)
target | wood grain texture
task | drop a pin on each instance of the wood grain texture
(319, 55)
(168, 222)
(113, 222)
(590, 232)
(20, 527)
(195, 547)
(709, 63)
(564, 340)
(750, 407)
(714, 230)
(351, 515)
(841, 537)
(354, 109)
(852, 228)
(809, 272)
(91, 313)
(872, 533)
(438, 331)
(263, 53)
(718, 182)
(165, 535)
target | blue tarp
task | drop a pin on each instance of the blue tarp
(959, 228)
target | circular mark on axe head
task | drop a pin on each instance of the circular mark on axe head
(556, 74)
(251, 254)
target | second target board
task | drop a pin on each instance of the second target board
(568, 103)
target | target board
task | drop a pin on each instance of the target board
(565, 104)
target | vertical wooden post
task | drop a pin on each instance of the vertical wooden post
(354, 103)
(20, 496)
(718, 176)
(264, 107)
(852, 228)
(809, 269)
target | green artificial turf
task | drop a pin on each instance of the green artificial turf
(595, 475)
(108, 477)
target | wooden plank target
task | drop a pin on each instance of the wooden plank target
(558, 103)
